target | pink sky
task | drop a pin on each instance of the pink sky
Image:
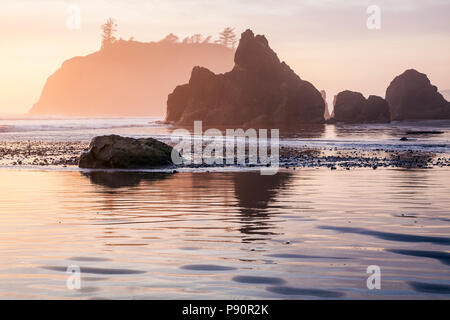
(325, 42)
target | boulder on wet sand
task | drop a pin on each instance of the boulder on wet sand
(411, 96)
(259, 91)
(352, 107)
(113, 151)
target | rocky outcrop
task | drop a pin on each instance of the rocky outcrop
(126, 78)
(352, 107)
(113, 151)
(259, 91)
(411, 96)
(334, 103)
(376, 109)
(326, 115)
(348, 106)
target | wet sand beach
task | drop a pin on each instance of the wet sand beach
(64, 154)
(226, 232)
(302, 234)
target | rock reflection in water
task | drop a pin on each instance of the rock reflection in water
(118, 179)
(252, 191)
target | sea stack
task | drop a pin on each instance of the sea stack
(259, 91)
(376, 109)
(326, 115)
(352, 107)
(411, 96)
(126, 78)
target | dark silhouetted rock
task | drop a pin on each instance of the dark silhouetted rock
(352, 107)
(348, 106)
(259, 91)
(376, 109)
(411, 96)
(113, 151)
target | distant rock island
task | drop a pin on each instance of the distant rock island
(259, 91)
(127, 78)
(131, 78)
(411, 96)
(350, 106)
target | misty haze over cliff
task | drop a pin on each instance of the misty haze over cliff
(128, 78)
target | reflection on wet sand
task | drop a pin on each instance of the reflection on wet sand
(299, 234)
(119, 179)
(252, 191)
(443, 257)
(392, 236)
(94, 270)
(430, 287)
(303, 131)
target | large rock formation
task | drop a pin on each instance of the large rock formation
(350, 106)
(126, 78)
(411, 96)
(376, 109)
(113, 151)
(259, 91)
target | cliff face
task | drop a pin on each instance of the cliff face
(259, 91)
(411, 96)
(351, 106)
(128, 78)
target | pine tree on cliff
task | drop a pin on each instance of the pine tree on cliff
(170, 38)
(197, 38)
(228, 38)
(207, 39)
(109, 28)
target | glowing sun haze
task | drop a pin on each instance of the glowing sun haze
(325, 42)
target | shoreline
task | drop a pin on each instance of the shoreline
(65, 155)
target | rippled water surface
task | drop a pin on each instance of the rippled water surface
(300, 234)
(361, 136)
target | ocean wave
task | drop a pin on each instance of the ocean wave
(70, 125)
(419, 145)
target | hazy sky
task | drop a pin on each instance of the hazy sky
(326, 42)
